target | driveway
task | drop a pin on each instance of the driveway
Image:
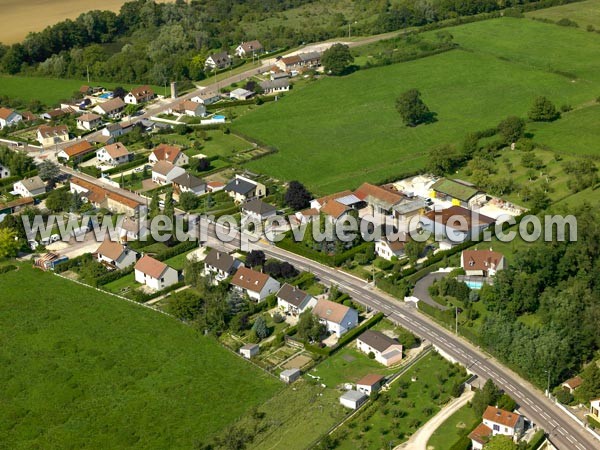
(421, 290)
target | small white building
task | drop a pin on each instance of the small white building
(337, 318)
(293, 300)
(249, 350)
(113, 154)
(220, 265)
(139, 95)
(290, 375)
(241, 94)
(48, 136)
(206, 98)
(89, 121)
(154, 273)
(169, 153)
(4, 171)
(257, 210)
(256, 285)
(387, 351)
(188, 183)
(190, 108)
(275, 86)
(242, 189)
(9, 117)
(353, 399)
(163, 172)
(112, 108)
(249, 49)
(29, 187)
(115, 255)
(389, 249)
(370, 383)
(217, 61)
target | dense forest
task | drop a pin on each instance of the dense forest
(557, 284)
(154, 43)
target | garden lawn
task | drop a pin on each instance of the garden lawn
(584, 13)
(457, 425)
(339, 132)
(348, 366)
(122, 285)
(83, 369)
(49, 91)
(398, 413)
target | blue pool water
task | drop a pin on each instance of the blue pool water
(219, 117)
(474, 284)
(106, 95)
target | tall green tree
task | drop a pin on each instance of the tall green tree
(309, 327)
(336, 59)
(543, 110)
(9, 243)
(260, 327)
(154, 205)
(413, 109)
(511, 129)
(500, 442)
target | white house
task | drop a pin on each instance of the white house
(241, 94)
(242, 189)
(48, 136)
(370, 383)
(131, 229)
(113, 130)
(255, 284)
(192, 109)
(595, 409)
(115, 255)
(217, 61)
(293, 300)
(4, 171)
(163, 172)
(9, 117)
(206, 98)
(257, 210)
(113, 154)
(30, 187)
(219, 265)
(170, 153)
(290, 375)
(154, 273)
(89, 121)
(390, 249)
(353, 399)
(338, 319)
(387, 351)
(111, 108)
(139, 95)
(248, 49)
(188, 183)
(249, 350)
(275, 86)
(484, 263)
(497, 421)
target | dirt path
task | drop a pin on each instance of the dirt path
(418, 441)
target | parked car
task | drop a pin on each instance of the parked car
(45, 241)
(33, 244)
(55, 238)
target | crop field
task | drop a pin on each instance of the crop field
(339, 132)
(79, 365)
(49, 91)
(583, 13)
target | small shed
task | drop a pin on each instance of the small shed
(370, 383)
(249, 350)
(353, 399)
(290, 375)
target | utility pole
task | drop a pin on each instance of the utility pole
(548, 388)
(456, 318)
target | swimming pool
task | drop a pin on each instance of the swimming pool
(474, 284)
(219, 117)
(106, 95)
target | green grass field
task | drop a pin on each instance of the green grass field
(84, 369)
(458, 424)
(49, 91)
(584, 13)
(576, 133)
(339, 132)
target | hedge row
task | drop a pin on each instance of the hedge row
(113, 276)
(8, 268)
(73, 262)
(176, 250)
(137, 160)
(142, 297)
(232, 103)
(537, 440)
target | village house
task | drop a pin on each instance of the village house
(169, 153)
(219, 265)
(337, 318)
(48, 136)
(595, 409)
(458, 192)
(115, 255)
(131, 229)
(290, 375)
(241, 94)
(28, 116)
(139, 95)
(206, 98)
(255, 284)
(113, 130)
(58, 113)
(258, 211)
(277, 74)
(242, 189)
(386, 205)
(100, 197)
(89, 121)
(387, 351)
(482, 263)
(306, 215)
(76, 151)
(15, 205)
(248, 351)
(353, 399)
(275, 86)
(187, 182)
(497, 421)
(9, 117)
(310, 59)
(4, 171)
(572, 383)
(370, 384)
(190, 108)
(335, 206)
(289, 63)
(293, 300)
(214, 186)
(113, 154)
(112, 108)
(217, 61)
(389, 249)
(454, 225)
(154, 273)
(29, 187)
(163, 172)
(249, 49)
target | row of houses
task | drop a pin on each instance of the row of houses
(222, 60)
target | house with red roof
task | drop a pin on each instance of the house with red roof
(497, 421)
(483, 263)
(169, 153)
(154, 273)
(256, 285)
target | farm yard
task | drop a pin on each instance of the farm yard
(327, 128)
(70, 351)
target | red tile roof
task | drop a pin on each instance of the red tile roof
(481, 259)
(249, 279)
(384, 195)
(166, 152)
(451, 218)
(150, 266)
(497, 415)
(79, 149)
(481, 434)
(331, 311)
(370, 380)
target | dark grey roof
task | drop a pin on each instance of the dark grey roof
(220, 260)
(292, 295)
(280, 75)
(275, 84)
(113, 126)
(257, 206)
(377, 340)
(239, 186)
(309, 56)
(188, 180)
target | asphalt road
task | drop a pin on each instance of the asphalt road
(564, 432)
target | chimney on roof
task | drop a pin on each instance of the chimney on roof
(218, 255)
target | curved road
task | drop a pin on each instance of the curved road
(563, 431)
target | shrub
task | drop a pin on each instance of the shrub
(371, 355)
(278, 318)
